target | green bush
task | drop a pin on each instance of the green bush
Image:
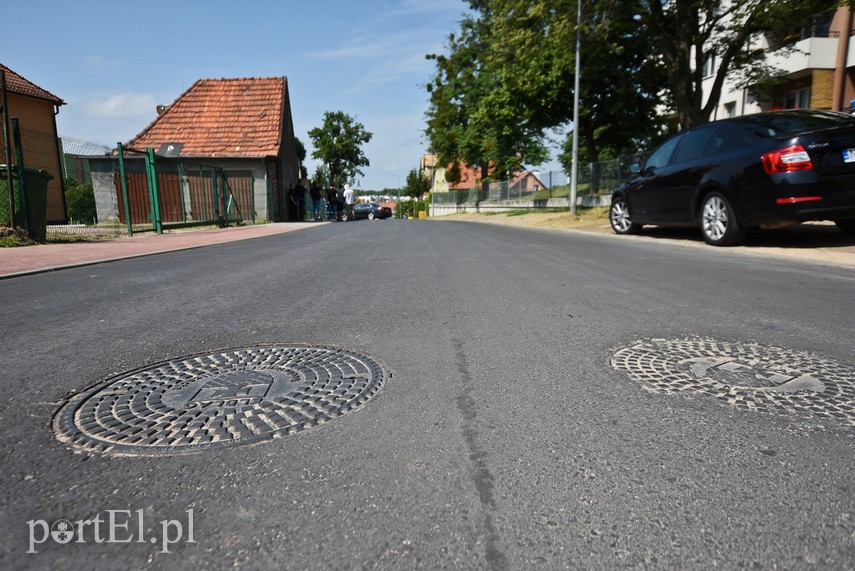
(411, 209)
(4, 204)
(80, 200)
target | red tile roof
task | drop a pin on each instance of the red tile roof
(222, 118)
(469, 177)
(20, 86)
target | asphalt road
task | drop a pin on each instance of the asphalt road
(507, 436)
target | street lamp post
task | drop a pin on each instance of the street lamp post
(574, 169)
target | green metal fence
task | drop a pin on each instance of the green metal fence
(164, 191)
(596, 179)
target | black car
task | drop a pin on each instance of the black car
(370, 210)
(765, 170)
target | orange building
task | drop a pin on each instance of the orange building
(36, 109)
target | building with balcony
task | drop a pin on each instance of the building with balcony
(819, 69)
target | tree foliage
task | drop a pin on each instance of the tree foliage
(338, 144)
(417, 185)
(686, 32)
(474, 118)
(301, 154)
(321, 176)
(507, 77)
(621, 76)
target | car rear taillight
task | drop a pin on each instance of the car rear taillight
(790, 159)
(797, 199)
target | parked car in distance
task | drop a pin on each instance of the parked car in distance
(370, 210)
(726, 177)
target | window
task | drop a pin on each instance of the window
(693, 145)
(709, 65)
(799, 99)
(717, 142)
(730, 109)
(663, 154)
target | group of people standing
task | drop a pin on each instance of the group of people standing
(339, 202)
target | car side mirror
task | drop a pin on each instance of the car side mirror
(635, 168)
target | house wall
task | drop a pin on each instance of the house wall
(39, 141)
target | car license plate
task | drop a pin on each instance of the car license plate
(849, 155)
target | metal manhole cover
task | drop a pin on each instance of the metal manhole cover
(236, 396)
(750, 376)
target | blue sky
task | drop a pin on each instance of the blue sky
(114, 62)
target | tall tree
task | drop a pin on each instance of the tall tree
(417, 185)
(508, 79)
(321, 176)
(621, 75)
(688, 32)
(301, 156)
(338, 144)
(473, 118)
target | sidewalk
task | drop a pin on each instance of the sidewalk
(47, 257)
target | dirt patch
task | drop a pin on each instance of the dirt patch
(593, 219)
(816, 241)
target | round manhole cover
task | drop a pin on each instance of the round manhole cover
(236, 396)
(750, 376)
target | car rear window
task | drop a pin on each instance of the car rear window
(789, 124)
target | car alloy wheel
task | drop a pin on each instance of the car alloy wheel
(620, 218)
(371, 216)
(718, 222)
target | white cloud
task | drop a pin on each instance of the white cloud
(100, 62)
(120, 106)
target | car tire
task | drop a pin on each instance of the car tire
(847, 225)
(620, 218)
(371, 216)
(718, 221)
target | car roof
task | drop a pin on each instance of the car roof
(789, 122)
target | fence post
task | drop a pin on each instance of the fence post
(22, 184)
(216, 200)
(181, 192)
(252, 195)
(154, 195)
(224, 191)
(124, 181)
(203, 194)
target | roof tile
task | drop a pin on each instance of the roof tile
(222, 118)
(21, 86)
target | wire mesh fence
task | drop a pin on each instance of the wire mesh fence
(532, 188)
(40, 151)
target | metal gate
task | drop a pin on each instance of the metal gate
(169, 191)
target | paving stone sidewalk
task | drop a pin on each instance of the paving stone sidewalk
(47, 257)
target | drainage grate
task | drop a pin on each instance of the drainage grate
(237, 396)
(750, 376)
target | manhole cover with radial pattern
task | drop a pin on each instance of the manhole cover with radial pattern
(236, 396)
(747, 375)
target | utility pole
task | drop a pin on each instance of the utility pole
(574, 169)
